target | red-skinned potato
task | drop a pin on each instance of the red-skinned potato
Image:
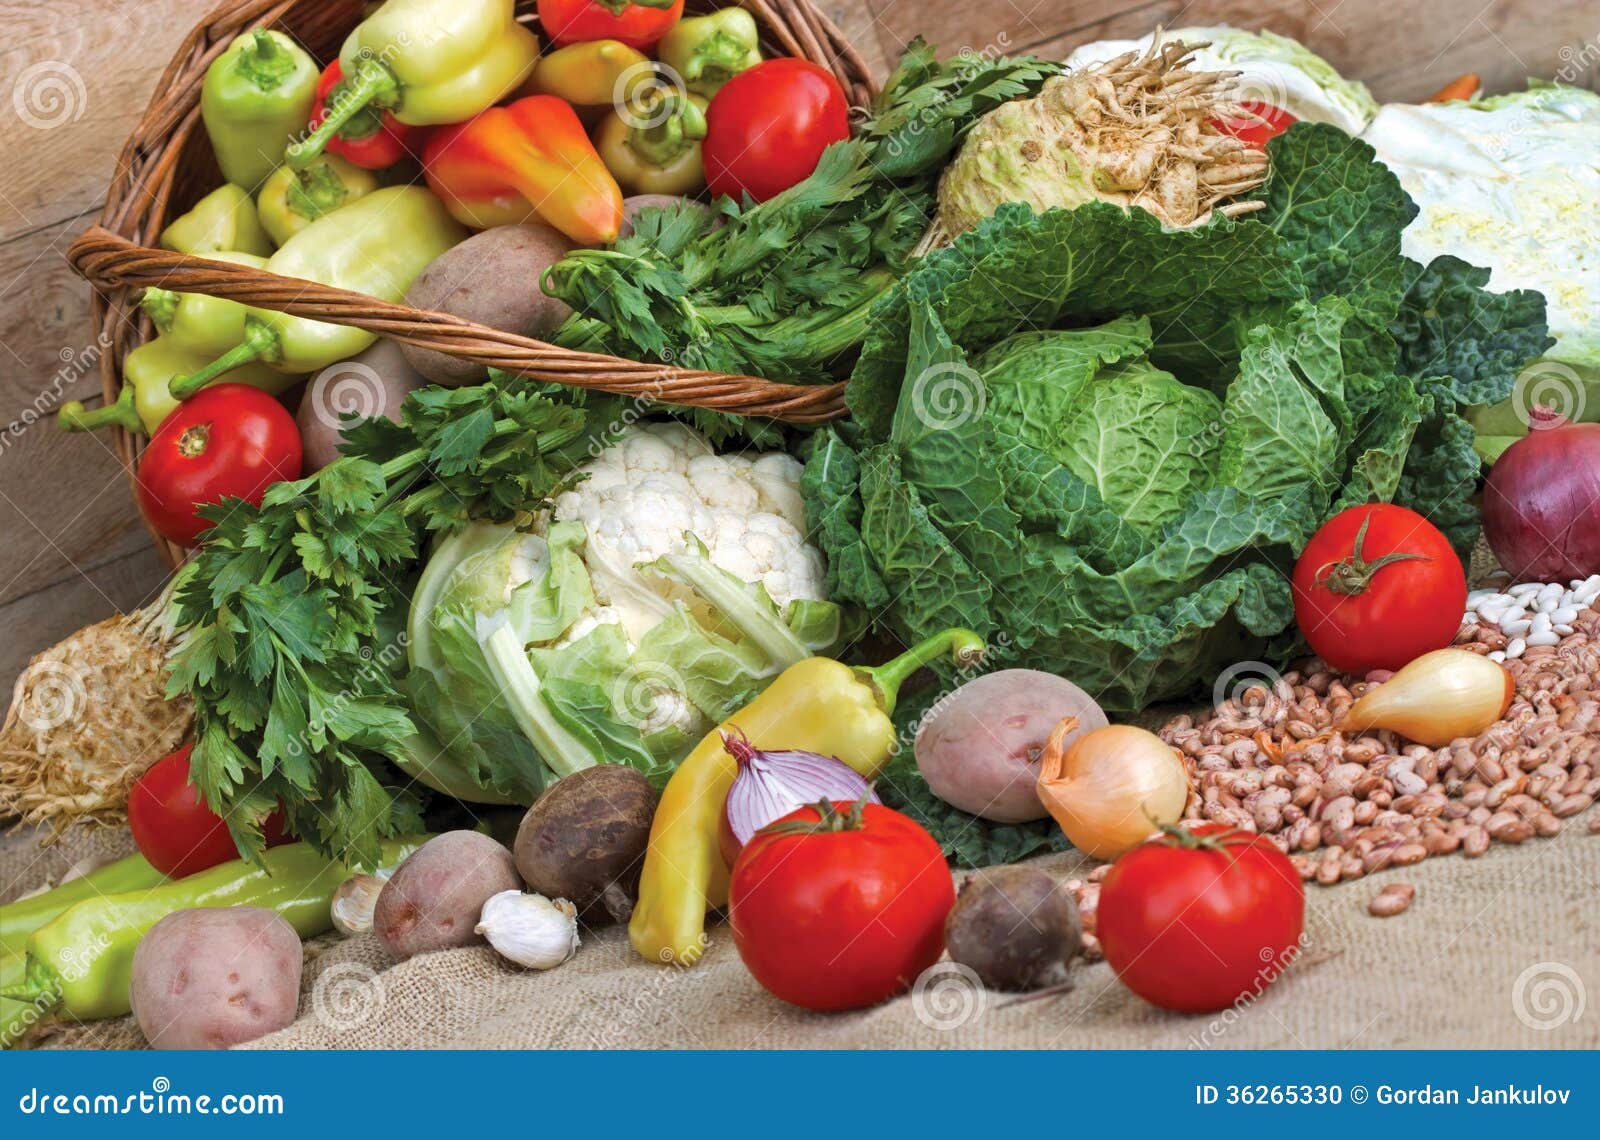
(433, 899)
(209, 978)
(979, 747)
(370, 384)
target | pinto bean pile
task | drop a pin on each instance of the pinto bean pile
(1346, 808)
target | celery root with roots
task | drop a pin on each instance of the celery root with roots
(87, 717)
(1140, 131)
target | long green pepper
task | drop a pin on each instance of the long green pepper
(81, 962)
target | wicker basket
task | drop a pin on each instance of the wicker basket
(167, 165)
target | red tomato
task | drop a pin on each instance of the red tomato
(842, 913)
(639, 24)
(373, 139)
(1376, 587)
(172, 826)
(767, 127)
(1273, 122)
(225, 440)
(1197, 920)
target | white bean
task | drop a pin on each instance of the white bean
(1550, 637)
(1564, 630)
(1491, 614)
(1541, 623)
(1566, 615)
(1498, 655)
(1525, 588)
(1515, 648)
(1515, 628)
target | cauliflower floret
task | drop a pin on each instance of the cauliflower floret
(718, 483)
(662, 483)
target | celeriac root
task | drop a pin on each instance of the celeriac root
(1138, 131)
(87, 717)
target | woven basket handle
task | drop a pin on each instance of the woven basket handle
(111, 262)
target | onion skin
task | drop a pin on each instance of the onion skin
(1541, 501)
(771, 784)
(1441, 696)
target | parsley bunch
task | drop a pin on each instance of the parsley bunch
(293, 614)
(784, 289)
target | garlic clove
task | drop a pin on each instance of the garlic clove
(530, 930)
(354, 902)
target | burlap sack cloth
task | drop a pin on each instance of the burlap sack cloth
(1497, 952)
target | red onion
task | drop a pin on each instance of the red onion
(1541, 502)
(770, 785)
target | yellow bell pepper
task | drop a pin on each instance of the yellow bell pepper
(817, 705)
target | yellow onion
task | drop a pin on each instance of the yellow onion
(1439, 697)
(1112, 788)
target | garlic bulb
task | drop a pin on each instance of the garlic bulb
(354, 901)
(530, 930)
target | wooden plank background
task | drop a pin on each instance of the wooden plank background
(77, 75)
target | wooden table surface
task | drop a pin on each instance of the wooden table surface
(77, 74)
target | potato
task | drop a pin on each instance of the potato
(433, 899)
(370, 384)
(632, 206)
(213, 977)
(979, 747)
(491, 278)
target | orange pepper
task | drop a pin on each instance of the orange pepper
(529, 159)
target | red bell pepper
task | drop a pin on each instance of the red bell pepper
(373, 138)
(529, 158)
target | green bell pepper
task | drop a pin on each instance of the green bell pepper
(224, 220)
(255, 101)
(707, 51)
(376, 245)
(428, 62)
(81, 962)
(146, 397)
(290, 199)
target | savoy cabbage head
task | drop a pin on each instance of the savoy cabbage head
(1101, 443)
